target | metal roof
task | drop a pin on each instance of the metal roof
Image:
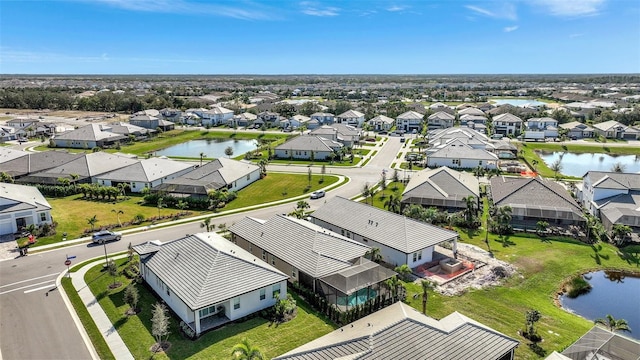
(311, 249)
(147, 170)
(393, 230)
(310, 143)
(441, 183)
(401, 332)
(21, 197)
(205, 269)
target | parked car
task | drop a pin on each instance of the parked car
(104, 236)
(317, 194)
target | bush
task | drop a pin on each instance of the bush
(577, 286)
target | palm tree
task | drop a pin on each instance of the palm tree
(118, 212)
(392, 283)
(202, 156)
(246, 351)
(533, 164)
(263, 167)
(404, 271)
(556, 166)
(618, 167)
(620, 232)
(374, 255)
(541, 226)
(303, 205)
(92, 221)
(613, 324)
(123, 188)
(228, 151)
(426, 286)
(366, 191)
(160, 205)
(471, 209)
(206, 223)
(6, 178)
(393, 204)
(502, 220)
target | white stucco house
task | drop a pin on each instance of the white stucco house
(217, 115)
(409, 121)
(351, 117)
(381, 123)
(20, 206)
(507, 124)
(145, 173)
(401, 240)
(208, 281)
(540, 128)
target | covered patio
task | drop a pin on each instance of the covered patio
(355, 285)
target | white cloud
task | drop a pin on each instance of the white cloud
(511, 28)
(315, 9)
(571, 8)
(506, 11)
(250, 11)
(572, 36)
(396, 8)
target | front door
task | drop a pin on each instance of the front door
(21, 223)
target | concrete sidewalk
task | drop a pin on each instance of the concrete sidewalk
(110, 334)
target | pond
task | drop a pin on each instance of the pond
(613, 293)
(578, 164)
(212, 148)
(516, 102)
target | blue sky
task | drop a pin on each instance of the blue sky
(319, 37)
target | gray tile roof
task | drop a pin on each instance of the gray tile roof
(458, 149)
(613, 180)
(441, 115)
(401, 332)
(608, 125)
(507, 117)
(310, 143)
(395, 231)
(410, 115)
(441, 183)
(39, 161)
(147, 170)
(621, 209)
(213, 175)
(91, 132)
(532, 192)
(311, 249)
(471, 111)
(350, 114)
(21, 197)
(205, 269)
(8, 154)
(381, 119)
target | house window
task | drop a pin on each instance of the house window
(133, 185)
(263, 294)
(250, 248)
(43, 216)
(248, 176)
(276, 291)
(264, 255)
(236, 303)
(456, 161)
(480, 162)
(415, 257)
(168, 291)
(294, 272)
(273, 260)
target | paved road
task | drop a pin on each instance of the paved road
(34, 323)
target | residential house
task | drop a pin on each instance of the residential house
(470, 111)
(409, 121)
(215, 116)
(599, 343)
(460, 148)
(381, 123)
(88, 137)
(145, 173)
(347, 135)
(328, 263)
(614, 130)
(294, 122)
(613, 197)
(323, 118)
(208, 281)
(507, 124)
(476, 119)
(401, 240)
(129, 130)
(86, 168)
(440, 120)
(540, 128)
(438, 106)
(245, 120)
(308, 147)
(313, 124)
(535, 199)
(172, 115)
(219, 174)
(268, 118)
(443, 188)
(21, 206)
(151, 122)
(20, 163)
(24, 127)
(578, 130)
(401, 332)
(351, 117)
(7, 133)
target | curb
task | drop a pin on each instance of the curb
(76, 319)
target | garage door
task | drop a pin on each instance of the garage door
(6, 227)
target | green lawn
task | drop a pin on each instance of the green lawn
(277, 184)
(272, 340)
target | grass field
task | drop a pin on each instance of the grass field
(272, 339)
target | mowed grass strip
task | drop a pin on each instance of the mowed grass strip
(273, 340)
(279, 186)
(87, 321)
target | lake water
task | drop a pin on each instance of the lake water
(516, 102)
(612, 293)
(212, 148)
(579, 164)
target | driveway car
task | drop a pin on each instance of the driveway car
(317, 194)
(101, 237)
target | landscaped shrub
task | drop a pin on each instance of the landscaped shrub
(577, 286)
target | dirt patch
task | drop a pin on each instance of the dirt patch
(492, 274)
(160, 347)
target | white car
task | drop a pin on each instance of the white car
(317, 194)
(104, 236)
